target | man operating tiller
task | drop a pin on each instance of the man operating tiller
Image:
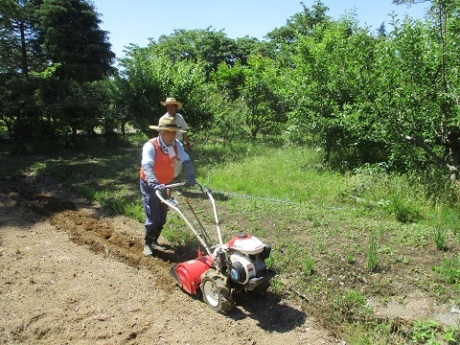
(159, 156)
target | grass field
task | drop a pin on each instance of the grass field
(339, 240)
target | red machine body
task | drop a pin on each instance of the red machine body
(189, 273)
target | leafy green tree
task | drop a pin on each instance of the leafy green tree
(301, 24)
(258, 91)
(72, 37)
(19, 57)
(245, 47)
(8, 7)
(331, 78)
(229, 80)
(151, 77)
(428, 119)
(49, 50)
(115, 112)
(19, 39)
(283, 40)
(18, 106)
(207, 46)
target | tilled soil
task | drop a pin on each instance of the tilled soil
(73, 275)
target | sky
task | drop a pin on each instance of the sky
(137, 21)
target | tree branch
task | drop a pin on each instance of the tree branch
(420, 143)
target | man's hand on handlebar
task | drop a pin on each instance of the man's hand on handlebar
(191, 182)
(158, 186)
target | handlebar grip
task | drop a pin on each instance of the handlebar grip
(176, 185)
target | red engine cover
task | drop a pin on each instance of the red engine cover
(189, 272)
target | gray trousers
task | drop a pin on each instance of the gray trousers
(155, 212)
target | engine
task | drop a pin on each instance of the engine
(244, 268)
(243, 257)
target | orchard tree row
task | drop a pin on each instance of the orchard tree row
(389, 96)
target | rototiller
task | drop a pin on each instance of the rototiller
(223, 270)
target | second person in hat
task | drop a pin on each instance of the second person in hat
(172, 108)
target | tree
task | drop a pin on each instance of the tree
(208, 47)
(19, 56)
(49, 49)
(115, 110)
(229, 80)
(19, 39)
(330, 80)
(440, 139)
(301, 24)
(245, 47)
(258, 92)
(71, 37)
(151, 77)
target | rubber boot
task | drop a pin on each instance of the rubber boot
(154, 240)
(155, 245)
(148, 247)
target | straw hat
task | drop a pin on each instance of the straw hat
(167, 124)
(171, 100)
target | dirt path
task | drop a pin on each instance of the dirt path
(71, 275)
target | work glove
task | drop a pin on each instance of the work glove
(191, 182)
(158, 186)
(188, 146)
(189, 173)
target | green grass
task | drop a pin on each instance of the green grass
(372, 257)
(339, 239)
(292, 175)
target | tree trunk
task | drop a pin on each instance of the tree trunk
(328, 147)
(454, 151)
(24, 62)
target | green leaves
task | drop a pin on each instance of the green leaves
(71, 36)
